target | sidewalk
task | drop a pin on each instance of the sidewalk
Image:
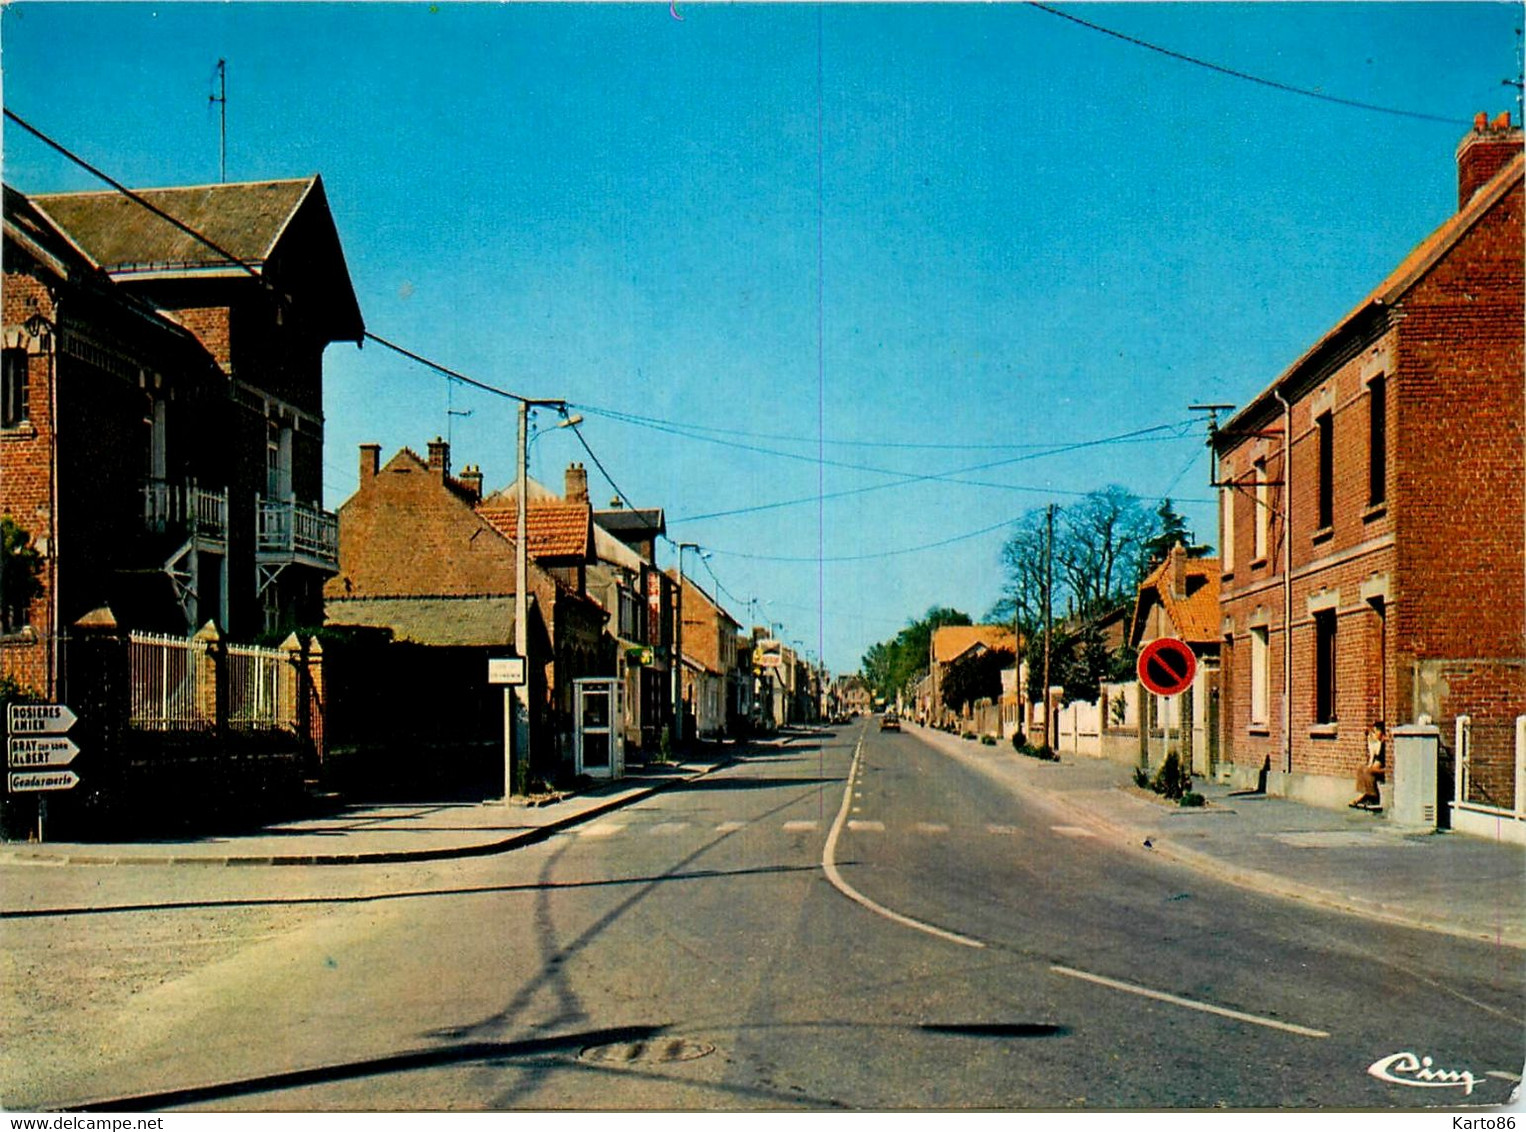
(1349, 860)
(375, 834)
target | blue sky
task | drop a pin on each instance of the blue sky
(831, 248)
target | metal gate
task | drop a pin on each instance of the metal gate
(598, 737)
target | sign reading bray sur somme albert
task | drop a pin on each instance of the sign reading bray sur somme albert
(38, 748)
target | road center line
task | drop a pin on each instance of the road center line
(829, 866)
(1177, 1000)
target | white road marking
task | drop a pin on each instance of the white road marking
(1072, 831)
(1001, 829)
(829, 866)
(664, 827)
(798, 826)
(601, 829)
(866, 826)
(1190, 1004)
(931, 827)
(1501, 1075)
(730, 826)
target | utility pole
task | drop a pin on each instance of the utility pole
(1048, 618)
(221, 98)
(516, 778)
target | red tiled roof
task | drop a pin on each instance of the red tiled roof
(552, 530)
(1195, 616)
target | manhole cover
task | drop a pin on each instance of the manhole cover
(657, 1050)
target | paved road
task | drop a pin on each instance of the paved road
(866, 924)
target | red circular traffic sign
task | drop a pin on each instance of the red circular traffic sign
(1167, 666)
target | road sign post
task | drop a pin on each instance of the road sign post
(36, 753)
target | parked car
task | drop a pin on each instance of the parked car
(890, 722)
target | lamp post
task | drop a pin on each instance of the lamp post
(516, 697)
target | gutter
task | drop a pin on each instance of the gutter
(1287, 580)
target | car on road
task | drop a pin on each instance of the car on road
(890, 722)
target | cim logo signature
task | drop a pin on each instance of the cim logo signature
(1411, 1069)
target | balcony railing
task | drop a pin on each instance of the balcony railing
(296, 532)
(184, 507)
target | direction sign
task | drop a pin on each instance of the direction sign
(1167, 666)
(506, 670)
(40, 719)
(22, 781)
(40, 750)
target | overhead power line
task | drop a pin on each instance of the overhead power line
(1234, 74)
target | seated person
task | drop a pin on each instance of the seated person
(1372, 772)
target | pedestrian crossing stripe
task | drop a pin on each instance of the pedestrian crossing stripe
(1072, 831)
(668, 827)
(799, 826)
(601, 829)
(931, 827)
(730, 826)
(1001, 829)
(866, 826)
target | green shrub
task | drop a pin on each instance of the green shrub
(968, 735)
(1193, 798)
(1172, 779)
(988, 740)
(1141, 778)
(1045, 754)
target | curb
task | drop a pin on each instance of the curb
(380, 857)
(1259, 880)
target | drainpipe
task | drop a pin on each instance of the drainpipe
(1287, 581)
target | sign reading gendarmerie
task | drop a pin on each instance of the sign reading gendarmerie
(40, 719)
(40, 750)
(506, 670)
(22, 781)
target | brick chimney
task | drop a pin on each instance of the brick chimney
(471, 479)
(370, 461)
(439, 457)
(1483, 153)
(576, 484)
(1178, 560)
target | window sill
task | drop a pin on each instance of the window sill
(1324, 731)
(1375, 511)
(1324, 534)
(26, 635)
(24, 431)
(1260, 729)
(1258, 563)
(1226, 576)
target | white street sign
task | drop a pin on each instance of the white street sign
(42, 750)
(21, 781)
(40, 719)
(506, 670)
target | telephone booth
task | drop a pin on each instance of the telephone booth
(599, 738)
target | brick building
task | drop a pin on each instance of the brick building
(1371, 508)
(414, 539)
(162, 428)
(713, 693)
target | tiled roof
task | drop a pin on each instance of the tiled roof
(553, 530)
(1195, 616)
(459, 621)
(640, 522)
(952, 641)
(244, 219)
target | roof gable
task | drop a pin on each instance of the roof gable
(552, 530)
(1195, 615)
(950, 642)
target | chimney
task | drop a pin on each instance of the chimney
(439, 457)
(576, 489)
(1178, 560)
(471, 479)
(1483, 153)
(370, 461)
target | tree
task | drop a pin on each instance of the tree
(20, 570)
(1170, 529)
(890, 666)
(975, 676)
(1100, 548)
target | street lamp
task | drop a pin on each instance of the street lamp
(516, 699)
